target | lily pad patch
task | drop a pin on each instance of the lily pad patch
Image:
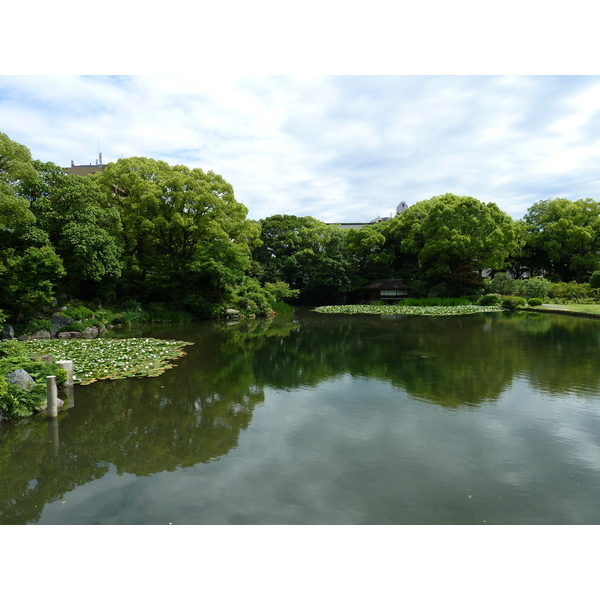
(100, 358)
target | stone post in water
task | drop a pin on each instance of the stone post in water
(67, 365)
(51, 396)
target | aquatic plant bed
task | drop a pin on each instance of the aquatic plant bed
(429, 311)
(102, 358)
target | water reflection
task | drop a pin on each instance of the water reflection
(194, 414)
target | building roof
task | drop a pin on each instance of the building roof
(387, 284)
(84, 169)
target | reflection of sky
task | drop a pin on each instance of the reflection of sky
(355, 451)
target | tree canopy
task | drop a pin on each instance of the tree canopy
(147, 231)
(454, 236)
(306, 254)
(182, 228)
(563, 237)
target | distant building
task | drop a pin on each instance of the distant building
(399, 209)
(86, 169)
(389, 290)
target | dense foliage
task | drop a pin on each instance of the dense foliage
(147, 234)
(16, 401)
(141, 230)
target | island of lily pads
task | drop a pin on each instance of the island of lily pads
(394, 309)
(102, 358)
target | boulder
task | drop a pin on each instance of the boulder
(21, 377)
(65, 335)
(41, 335)
(57, 321)
(90, 332)
(23, 338)
(8, 333)
(47, 358)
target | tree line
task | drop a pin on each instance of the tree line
(146, 231)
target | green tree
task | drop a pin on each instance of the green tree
(372, 255)
(85, 231)
(17, 222)
(306, 254)
(29, 266)
(563, 237)
(182, 228)
(29, 279)
(455, 238)
(15, 163)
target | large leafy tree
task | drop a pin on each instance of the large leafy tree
(563, 237)
(29, 266)
(306, 254)
(29, 279)
(84, 230)
(455, 237)
(372, 255)
(15, 216)
(183, 229)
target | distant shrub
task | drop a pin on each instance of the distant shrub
(535, 302)
(570, 292)
(37, 325)
(513, 302)
(78, 313)
(199, 307)
(489, 300)
(595, 280)
(503, 284)
(535, 287)
(282, 308)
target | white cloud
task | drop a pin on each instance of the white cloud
(337, 148)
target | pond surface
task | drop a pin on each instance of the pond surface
(328, 419)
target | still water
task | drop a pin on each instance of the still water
(328, 419)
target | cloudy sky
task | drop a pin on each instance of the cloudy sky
(343, 148)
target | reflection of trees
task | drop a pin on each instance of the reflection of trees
(195, 412)
(34, 472)
(447, 361)
(562, 358)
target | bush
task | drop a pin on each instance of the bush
(37, 325)
(199, 307)
(595, 280)
(503, 284)
(15, 401)
(282, 308)
(535, 301)
(78, 313)
(536, 287)
(513, 302)
(570, 292)
(489, 300)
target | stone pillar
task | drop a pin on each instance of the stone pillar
(51, 396)
(67, 365)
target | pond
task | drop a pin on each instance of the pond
(328, 419)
